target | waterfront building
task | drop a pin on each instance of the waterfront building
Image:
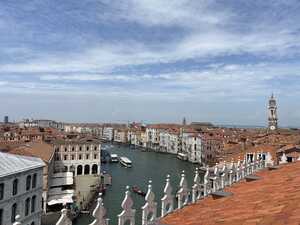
(80, 156)
(192, 146)
(152, 133)
(21, 188)
(120, 135)
(108, 133)
(212, 149)
(272, 114)
(169, 140)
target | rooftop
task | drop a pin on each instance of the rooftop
(40, 150)
(11, 164)
(274, 199)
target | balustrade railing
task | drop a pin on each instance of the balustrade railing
(215, 179)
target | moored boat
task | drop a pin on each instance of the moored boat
(125, 162)
(114, 158)
(182, 156)
(138, 191)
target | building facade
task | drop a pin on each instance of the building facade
(82, 157)
(21, 188)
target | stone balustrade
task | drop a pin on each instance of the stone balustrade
(215, 179)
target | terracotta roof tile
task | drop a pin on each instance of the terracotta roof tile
(275, 199)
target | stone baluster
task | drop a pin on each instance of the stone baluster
(167, 201)
(233, 171)
(261, 161)
(99, 213)
(64, 219)
(17, 222)
(183, 193)
(128, 214)
(258, 161)
(223, 176)
(197, 187)
(229, 174)
(150, 208)
(253, 163)
(238, 171)
(243, 168)
(216, 178)
(206, 183)
(249, 167)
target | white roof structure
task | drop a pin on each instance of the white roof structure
(60, 179)
(59, 196)
(11, 163)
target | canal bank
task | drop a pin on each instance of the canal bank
(146, 165)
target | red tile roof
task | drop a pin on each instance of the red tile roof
(272, 200)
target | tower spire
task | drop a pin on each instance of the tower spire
(272, 111)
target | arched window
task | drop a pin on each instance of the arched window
(13, 212)
(28, 182)
(27, 206)
(79, 170)
(32, 223)
(34, 180)
(86, 169)
(33, 202)
(94, 169)
(15, 187)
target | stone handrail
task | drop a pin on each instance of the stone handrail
(214, 179)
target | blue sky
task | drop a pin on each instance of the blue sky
(150, 60)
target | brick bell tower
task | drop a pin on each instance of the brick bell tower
(272, 114)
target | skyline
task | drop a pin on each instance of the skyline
(151, 61)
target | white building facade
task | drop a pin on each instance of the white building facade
(21, 188)
(82, 157)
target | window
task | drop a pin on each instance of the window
(28, 182)
(34, 180)
(1, 191)
(15, 187)
(95, 148)
(80, 148)
(56, 149)
(65, 157)
(87, 148)
(80, 156)
(87, 156)
(66, 149)
(27, 206)
(95, 156)
(73, 157)
(32, 223)
(33, 201)
(1, 216)
(73, 149)
(13, 213)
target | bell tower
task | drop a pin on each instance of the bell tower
(272, 114)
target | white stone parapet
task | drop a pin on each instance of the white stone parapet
(215, 179)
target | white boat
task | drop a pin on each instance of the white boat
(182, 156)
(125, 161)
(114, 158)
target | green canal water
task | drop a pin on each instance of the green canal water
(146, 165)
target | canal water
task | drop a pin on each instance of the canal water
(145, 166)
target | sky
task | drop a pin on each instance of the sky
(150, 60)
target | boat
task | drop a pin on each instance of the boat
(114, 158)
(125, 162)
(182, 156)
(137, 190)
